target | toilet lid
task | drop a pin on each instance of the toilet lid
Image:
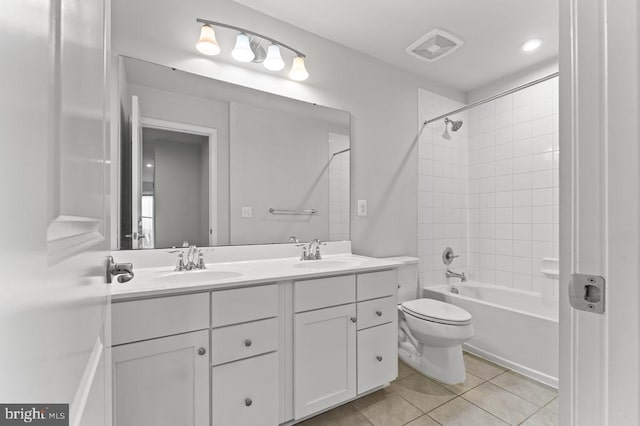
(436, 311)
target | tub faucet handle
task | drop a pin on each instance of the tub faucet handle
(448, 255)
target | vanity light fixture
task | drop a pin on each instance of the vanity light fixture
(207, 44)
(531, 45)
(273, 61)
(242, 51)
(248, 48)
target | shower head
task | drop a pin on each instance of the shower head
(455, 125)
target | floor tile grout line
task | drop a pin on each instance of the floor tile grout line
(522, 422)
(525, 378)
(487, 411)
(422, 413)
(455, 395)
(520, 396)
(549, 403)
(433, 418)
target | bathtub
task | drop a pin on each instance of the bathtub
(514, 328)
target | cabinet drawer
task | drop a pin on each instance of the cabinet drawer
(377, 311)
(243, 340)
(246, 392)
(323, 292)
(377, 284)
(243, 305)
(377, 356)
(146, 319)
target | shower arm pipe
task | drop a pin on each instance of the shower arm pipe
(340, 152)
(491, 98)
(253, 33)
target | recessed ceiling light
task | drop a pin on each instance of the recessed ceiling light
(149, 164)
(531, 45)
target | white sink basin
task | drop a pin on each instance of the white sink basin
(197, 276)
(325, 264)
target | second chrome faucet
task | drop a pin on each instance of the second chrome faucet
(311, 250)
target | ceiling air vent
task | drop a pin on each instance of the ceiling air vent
(434, 45)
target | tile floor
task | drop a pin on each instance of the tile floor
(491, 395)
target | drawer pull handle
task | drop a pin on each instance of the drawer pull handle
(247, 342)
(379, 358)
(379, 313)
(202, 351)
(248, 402)
(354, 319)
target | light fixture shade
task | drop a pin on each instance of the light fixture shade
(273, 61)
(242, 50)
(207, 44)
(531, 45)
(298, 71)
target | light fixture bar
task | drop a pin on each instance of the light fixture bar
(253, 33)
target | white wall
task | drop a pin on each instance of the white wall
(278, 161)
(381, 99)
(442, 174)
(512, 81)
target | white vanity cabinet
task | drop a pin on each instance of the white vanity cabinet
(160, 364)
(244, 356)
(345, 338)
(255, 354)
(377, 313)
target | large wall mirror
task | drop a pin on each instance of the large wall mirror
(210, 163)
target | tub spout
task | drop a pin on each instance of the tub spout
(451, 274)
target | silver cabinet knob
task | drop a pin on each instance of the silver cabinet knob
(379, 358)
(354, 319)
(202, 351)
(379, 313)
(247, 342)
(248, 402)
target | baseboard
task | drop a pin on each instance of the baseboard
(518, 368)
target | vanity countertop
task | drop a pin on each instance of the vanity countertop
(163, 280)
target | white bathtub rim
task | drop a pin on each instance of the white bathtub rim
(444, 289)
(518, 368)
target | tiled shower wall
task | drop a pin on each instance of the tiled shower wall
(339, 197)
(511, 188)
(442, 186)
(339, 184)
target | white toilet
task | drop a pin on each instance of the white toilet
(430, 332)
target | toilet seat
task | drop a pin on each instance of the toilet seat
(436, 311)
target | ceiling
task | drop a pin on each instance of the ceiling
(492, 31)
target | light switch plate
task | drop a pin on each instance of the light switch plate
(247, 211)
(362, 207)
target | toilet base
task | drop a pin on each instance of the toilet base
(445, 365)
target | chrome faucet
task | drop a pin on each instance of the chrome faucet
(451, 274)
(191, 263)
(311, 250)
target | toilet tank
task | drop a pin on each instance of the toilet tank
(407, 278)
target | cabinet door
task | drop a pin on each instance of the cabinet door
(377, 356)
(324, 358)
(245, 393)
(162, 382)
